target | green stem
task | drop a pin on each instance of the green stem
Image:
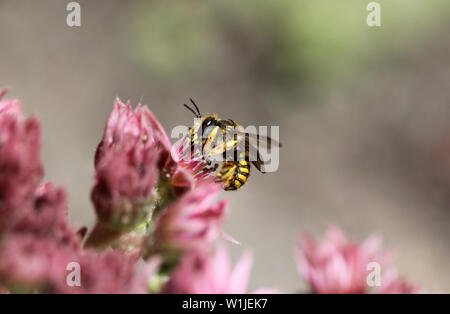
(101, 237)
(165, 196)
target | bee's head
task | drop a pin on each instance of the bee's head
(208, 120)
(202, 122)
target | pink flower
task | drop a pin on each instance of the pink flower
(110, 272)
(181, 181)
(209, 272)
(123, 189)
(126, 166)
(133, 133)
(191, 158)
(28, 263)
(338, 265)
(46, 217)
(10, 106)
(20, 164)
(391, 283)
(192, 223)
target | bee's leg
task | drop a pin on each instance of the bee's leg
(212, 139)
(226, 171)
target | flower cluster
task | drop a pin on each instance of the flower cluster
(338, 265)
(157, 221)
(37, 243)
(148, 205)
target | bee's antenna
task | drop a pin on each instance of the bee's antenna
(191, 110)
(195, 106)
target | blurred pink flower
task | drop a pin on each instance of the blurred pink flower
(338, 265)
(391, 283)
(209, 272)
(192, 223)
(20, 164)
(10, 106)
(46, 217)
(111, 272)
(29, 264)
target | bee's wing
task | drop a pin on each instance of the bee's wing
(260, 139)
(253, 145)
(235, 144)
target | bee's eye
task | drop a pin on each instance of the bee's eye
(207, 123)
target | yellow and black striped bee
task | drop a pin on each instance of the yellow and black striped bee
(226, 148)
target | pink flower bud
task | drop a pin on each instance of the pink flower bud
(132, 132)
(126, 166)
(193, 222)
(122, 194)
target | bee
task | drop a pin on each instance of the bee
(228, 151)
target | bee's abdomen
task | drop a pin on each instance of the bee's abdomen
(234, 174)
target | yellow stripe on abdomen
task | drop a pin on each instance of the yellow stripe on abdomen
(241, 177)
(243, 170)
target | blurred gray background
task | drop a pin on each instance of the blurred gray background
(363, 112)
